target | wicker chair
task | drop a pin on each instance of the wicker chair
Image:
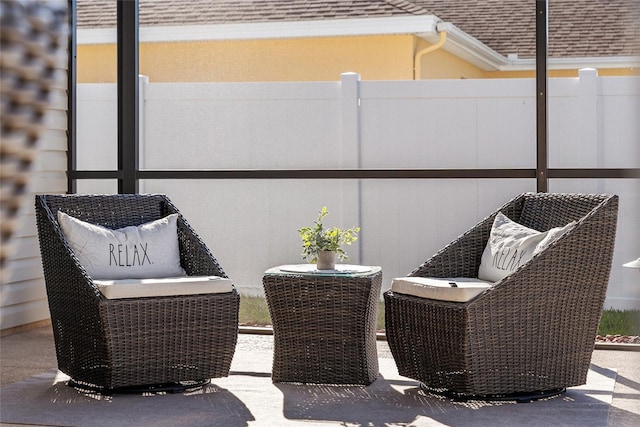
(114, 344)
(530, 335)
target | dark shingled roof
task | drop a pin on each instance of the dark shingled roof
(102, 13)
(577, 28)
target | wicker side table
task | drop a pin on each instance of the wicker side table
(324, 325)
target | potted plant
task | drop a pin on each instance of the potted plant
(323, 245)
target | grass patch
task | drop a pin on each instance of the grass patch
(620, 322)
(254, 312)
(380, 324)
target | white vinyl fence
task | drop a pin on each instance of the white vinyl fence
(250, 224)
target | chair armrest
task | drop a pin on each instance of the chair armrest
(461, 258)
(195, 256)
(58, 259)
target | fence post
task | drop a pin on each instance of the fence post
(350, 129)
(592, 155)
(350, 116)
(143, 81)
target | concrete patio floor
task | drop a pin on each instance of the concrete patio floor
(27, 353)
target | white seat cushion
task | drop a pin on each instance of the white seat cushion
(441, 289)
(185, 285)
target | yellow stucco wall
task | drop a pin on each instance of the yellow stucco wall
(389, 57)
(96, 64)
(373, 57)
(440, 64)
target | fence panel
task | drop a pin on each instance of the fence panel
(251, 224)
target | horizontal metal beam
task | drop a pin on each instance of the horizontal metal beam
(593, 173)
(336, 173)
(96, 174)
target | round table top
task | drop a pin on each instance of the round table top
(311, 269)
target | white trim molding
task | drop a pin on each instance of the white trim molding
(270, 30)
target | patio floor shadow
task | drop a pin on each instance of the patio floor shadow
(248, 398)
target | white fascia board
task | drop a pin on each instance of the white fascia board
(474, 51)
(96, 36)
(598, 62)
(270, 30)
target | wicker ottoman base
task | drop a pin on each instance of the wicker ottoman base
(324, 326)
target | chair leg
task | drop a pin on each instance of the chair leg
(523, 397)
(171, 388)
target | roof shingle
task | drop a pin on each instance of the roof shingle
(577, 28)
(102, 13)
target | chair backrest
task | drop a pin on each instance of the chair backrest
(118, 211)
(111, 211)
(543, 211)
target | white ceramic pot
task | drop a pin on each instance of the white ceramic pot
(326, 260)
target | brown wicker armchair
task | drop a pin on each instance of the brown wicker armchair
(109, 344)
(533, 332)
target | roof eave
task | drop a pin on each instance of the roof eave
(426, 27)
(270, 30)
(467, 47)
(474, 51)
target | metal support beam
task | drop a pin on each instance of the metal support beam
(595, 173)
(339, 174)
(71, 98)
(542, 156)
(128, 135)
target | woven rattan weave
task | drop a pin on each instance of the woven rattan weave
(324, 327)
(110, 344)
(535, 329)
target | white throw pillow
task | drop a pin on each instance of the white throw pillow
(511, 245)
(146, 251)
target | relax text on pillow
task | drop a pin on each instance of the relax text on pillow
(147, 251)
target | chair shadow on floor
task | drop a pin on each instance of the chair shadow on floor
(630, 418)
(403, 402)
(60, 404)
(377, 404)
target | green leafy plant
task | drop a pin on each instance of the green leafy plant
(318, 238)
